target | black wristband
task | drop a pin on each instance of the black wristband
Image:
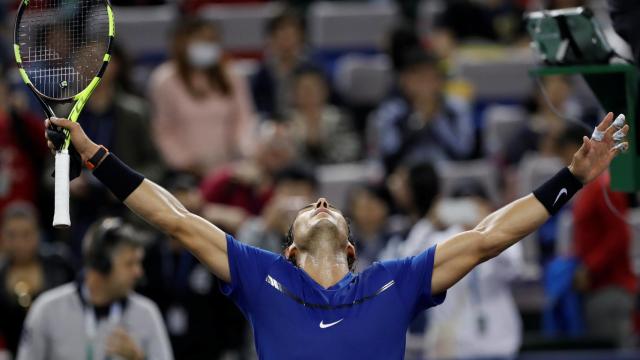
(557, 191)
(117, 176)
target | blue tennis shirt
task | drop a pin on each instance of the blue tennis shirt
(363, 316)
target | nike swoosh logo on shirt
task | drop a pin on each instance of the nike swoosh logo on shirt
(324, 326)
(562, 191)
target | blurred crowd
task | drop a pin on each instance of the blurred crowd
(247, 149)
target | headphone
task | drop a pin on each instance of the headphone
(102, 242)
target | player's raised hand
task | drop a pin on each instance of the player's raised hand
(85, 147)
(595, 154)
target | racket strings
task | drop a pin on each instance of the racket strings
(62, 44)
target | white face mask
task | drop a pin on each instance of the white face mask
(203, 54)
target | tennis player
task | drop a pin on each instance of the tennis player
(306, 303)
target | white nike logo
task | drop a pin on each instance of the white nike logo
(563, 191)
(324, 326)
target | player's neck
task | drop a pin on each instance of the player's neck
(324, 265)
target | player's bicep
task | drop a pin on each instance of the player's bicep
(162, 210)
(454, 259)
(207, 242)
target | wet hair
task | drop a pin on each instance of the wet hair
(351, 260)
(216, 75)
(424, 185)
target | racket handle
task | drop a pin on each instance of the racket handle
(61, 198)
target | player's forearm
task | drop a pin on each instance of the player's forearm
(157, 206)
(509, 225)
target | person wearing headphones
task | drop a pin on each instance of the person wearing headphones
(99, 316)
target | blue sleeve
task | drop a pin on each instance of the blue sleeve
(413, 278)
(248, 266)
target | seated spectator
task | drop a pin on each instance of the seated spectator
(368, 210)
(201, 322)
(544, 123)
(98, 316)
(120, 120)
(22, 149)
(240, 190)
(272, 85)
(295, 187)
(323, 132)
(422, 123)
(203, 113)
(27, 270)
(484, 322)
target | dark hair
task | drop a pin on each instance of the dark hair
(417, 56)
(123, 78)
(307, 69)
(103, 238)
(571, 135)
(377, 191)
(297, 173)
(19, 210)
(217, 75)
(424, 185)
(286, 17)
(401, 39)
(351, 260)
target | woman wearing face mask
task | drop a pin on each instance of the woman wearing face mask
(203, 116)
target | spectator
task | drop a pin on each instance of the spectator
(602, 243)
(201, 322)
(484, 322)
(22, 150)
(203, 113)
(192, 6)
(272, 85)
(236, 192)
(294, 188)
(28, 269)
(422, 123)
(115, 115)
(544, 123)
(324, 133)
(98, 316)
(368, 208)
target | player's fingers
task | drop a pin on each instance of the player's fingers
(584, 149)
(606, 122)
(620, 134)
(63, 123)
(622, 147)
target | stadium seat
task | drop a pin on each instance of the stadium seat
(534, 170)
(363, 80)
(338, 25)
(501, 122)
(337, 180)
(496, 74)
(456, 174)
(242, 25)
(143, 31)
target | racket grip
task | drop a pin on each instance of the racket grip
(61, 197)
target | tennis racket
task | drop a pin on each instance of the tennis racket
(62, 48)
